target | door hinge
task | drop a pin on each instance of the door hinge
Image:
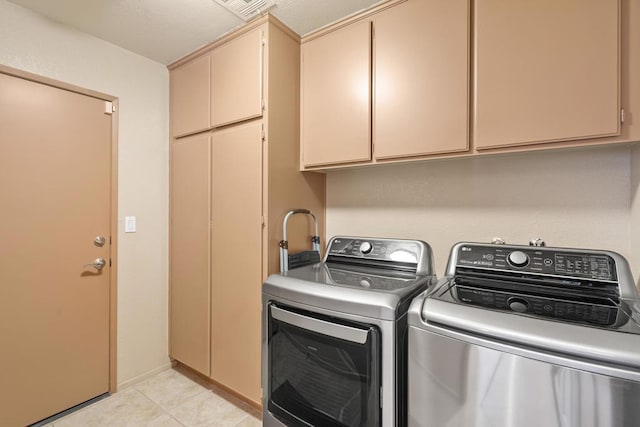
(622, 115)
(109, 108)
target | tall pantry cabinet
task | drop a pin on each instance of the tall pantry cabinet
(234, 172)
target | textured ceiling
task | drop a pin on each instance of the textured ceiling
(165, 30)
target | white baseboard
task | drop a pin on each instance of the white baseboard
(139, 378)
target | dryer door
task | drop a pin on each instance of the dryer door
(322, 371)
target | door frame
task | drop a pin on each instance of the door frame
(113, 249)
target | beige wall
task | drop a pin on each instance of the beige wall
(32, 43)
(635, 213)
(569, 198)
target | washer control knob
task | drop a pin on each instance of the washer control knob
(365, 247)
(518, 304)
(518, 259)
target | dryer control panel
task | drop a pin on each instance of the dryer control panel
(399, 254)
(389, 250)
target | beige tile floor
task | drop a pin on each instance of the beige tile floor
(172, 398)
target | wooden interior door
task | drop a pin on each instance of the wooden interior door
(55, 192)
(190, 215)
(236, 257)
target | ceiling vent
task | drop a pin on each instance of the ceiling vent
(247, 9)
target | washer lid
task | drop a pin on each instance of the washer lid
(620, 346)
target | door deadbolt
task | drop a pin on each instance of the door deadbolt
(99, 241)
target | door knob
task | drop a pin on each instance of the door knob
(97, 263)
(99, 241)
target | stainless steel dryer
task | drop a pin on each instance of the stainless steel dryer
(526, 336)
(334, 334)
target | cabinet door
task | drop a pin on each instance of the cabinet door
(336, 97)
(421, 78)
(189, 252)
(545, 70)
(236, 79)
(189, 85)
(236, 258)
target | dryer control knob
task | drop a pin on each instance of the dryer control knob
(365, 247)
(518, 259)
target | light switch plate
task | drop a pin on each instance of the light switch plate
(129, 224)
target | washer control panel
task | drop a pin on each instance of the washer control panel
(538, 260)
(403, 251)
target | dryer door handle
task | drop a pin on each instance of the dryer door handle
(335, 330)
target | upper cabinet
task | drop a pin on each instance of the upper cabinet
(395, 85)
(461, 78)
(421, 79)
(545, 71)
(189, 87)
(236, 79)
(336, 97)
(221, 87)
